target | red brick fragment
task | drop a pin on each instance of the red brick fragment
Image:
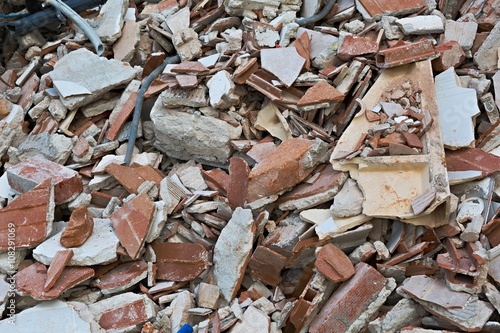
(122, 117)
(56, 267)
(25, 221)
(78, 229)
(334, 264)
(24, 176)
(31, 281)
(349, 301)
(266, 265)
(239, 172)
(131, 223)
(321, 92)
(179, 261)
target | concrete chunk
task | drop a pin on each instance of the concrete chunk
(99, 75)
(232, 252)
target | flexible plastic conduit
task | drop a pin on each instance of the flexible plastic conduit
(80, 22)
(138, 105)
(316, 17)
(45, 17)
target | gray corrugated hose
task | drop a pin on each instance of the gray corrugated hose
(138, 105)
(80, 22)
(316, 17)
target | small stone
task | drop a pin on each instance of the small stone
(253, 321)
(78, 229)
(54, 147)
(354, 26)
(180, 306)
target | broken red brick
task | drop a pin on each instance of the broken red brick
(78, 229)
(131, 223)
(349, 301)
(266, 265)
(56, 267)
(334, 264)
(24, 176)
(179, 261)
(28, 218)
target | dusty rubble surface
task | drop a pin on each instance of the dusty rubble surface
(288, 175)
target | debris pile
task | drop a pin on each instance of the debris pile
(251, 166)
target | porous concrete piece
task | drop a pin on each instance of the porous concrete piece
(99, 75)
(391, 30)
(486, 57)
(100, 247)
(183, 302)
(178, 21)
(404, 313)
(11, 132)
(50, 316)
(54, 147)
(221, 91)
(349, 201)
(463, 33)
(253, 321)
(123, 312)
(232, 252)
(57, 109)
(421, 25)
(188, 136)
(110, 20)
(186, 44)
(457, 110)
(272, 62)
(27, 220)
(24, 176)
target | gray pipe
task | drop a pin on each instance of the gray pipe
(80, 22)
(138, 105)
(314, 18)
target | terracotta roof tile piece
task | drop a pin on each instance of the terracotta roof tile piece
(131, 223)
(321, 92)
(26, 175)
(334, 264)
(56, 268)
(30, 216)
(179, 261)
(78, 229)
(31, 280)
(350, 300)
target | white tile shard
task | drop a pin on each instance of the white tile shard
(458, 109)
(232, 252)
